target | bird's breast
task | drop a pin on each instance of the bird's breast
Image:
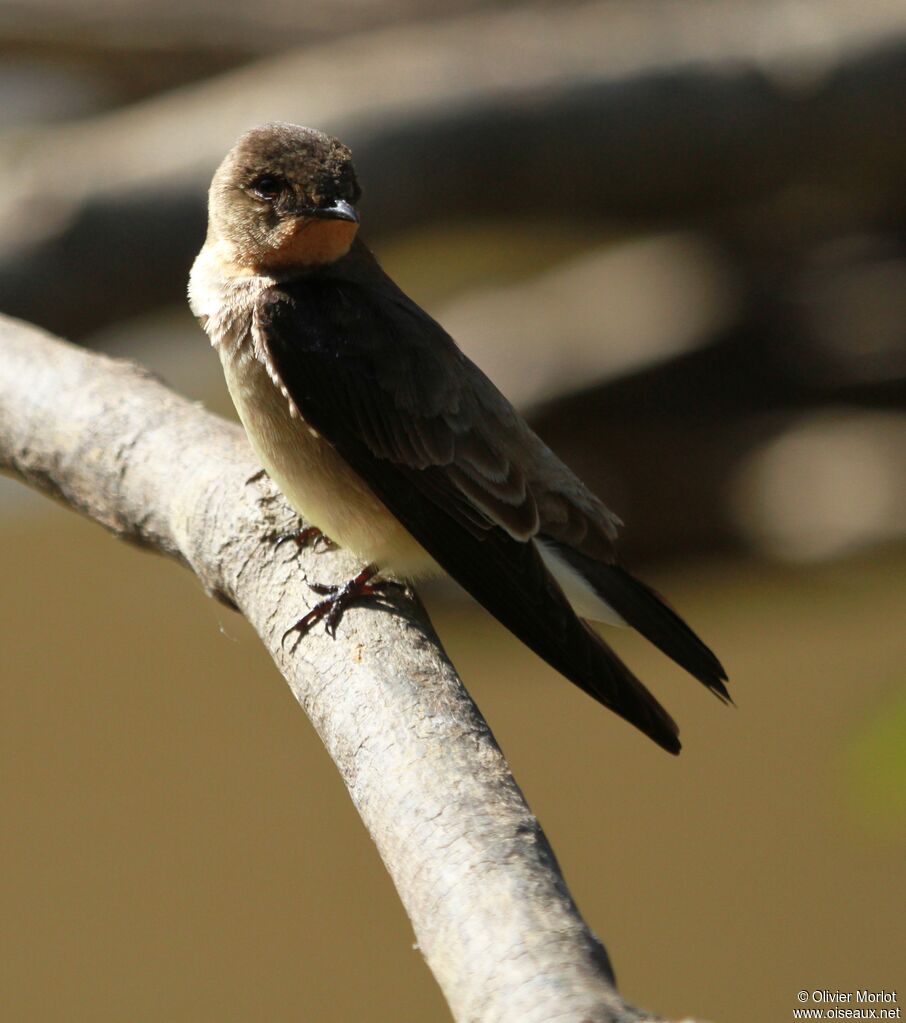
(313, 477)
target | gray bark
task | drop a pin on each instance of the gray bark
(490, 909)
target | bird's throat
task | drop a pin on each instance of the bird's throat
(309, 242)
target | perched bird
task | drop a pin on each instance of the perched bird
(384, 436)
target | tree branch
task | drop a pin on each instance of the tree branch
(490, 909)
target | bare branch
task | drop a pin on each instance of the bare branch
(490, 909)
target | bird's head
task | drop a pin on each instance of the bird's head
(284, 198)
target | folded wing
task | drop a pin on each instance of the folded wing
(437, 443)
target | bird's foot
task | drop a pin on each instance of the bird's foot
(256, 476)
(336, 600)
(302, 538)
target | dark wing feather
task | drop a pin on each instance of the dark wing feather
(386, 386)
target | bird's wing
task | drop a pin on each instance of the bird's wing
(387, 387)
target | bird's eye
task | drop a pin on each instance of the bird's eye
(267, 187)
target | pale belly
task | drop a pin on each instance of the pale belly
(316, 481)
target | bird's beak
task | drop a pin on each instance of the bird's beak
(340, 210)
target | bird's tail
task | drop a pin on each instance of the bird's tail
(647, 612)
(607, 679)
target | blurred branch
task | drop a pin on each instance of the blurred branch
(141, 48)
(689, 421)
(656, 111)
(489, 906)
(189, 28)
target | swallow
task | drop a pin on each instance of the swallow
(383, 436)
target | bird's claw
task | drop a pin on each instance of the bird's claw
(300, 537)
(310, 536)
(335, 603)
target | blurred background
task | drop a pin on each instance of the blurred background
(674, 233)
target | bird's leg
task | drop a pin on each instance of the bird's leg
(336, 600)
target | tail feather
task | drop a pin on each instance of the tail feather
(647, 612)
(609, 681)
